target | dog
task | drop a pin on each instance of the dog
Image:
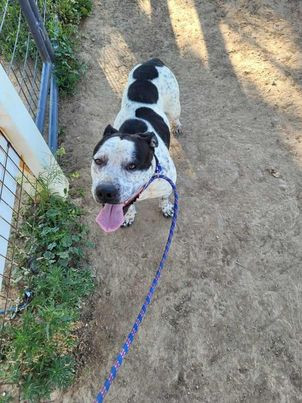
(125, 158)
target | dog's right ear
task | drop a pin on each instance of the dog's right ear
(109, 131)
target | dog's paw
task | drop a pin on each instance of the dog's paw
(168, 210)
(127, 222)
(129, 217)
(177, 128)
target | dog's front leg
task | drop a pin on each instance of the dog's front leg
(166, 207)
(130, 216)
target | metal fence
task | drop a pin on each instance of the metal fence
(27, 55)
(16, 187)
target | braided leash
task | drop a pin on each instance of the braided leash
(125, 349)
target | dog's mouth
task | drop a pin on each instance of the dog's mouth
(112, 216)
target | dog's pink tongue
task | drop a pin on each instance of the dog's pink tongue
(111, 217)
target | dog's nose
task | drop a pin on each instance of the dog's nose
(107, 193)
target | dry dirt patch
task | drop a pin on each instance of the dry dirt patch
(225, 324)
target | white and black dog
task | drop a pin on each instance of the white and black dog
(125, 158)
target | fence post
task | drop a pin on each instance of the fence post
(36, 26)
(44, 89)
(53, 115)
(48, 83)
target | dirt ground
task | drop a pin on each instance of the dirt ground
(226, 322)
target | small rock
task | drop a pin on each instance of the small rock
(274, 172)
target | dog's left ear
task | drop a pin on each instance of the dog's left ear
(151, 138)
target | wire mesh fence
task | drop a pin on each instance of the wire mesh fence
(19, 56)
(26, 55)
(17, 186)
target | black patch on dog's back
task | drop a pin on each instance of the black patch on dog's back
(143, 91)
(147, 71)
(156, 121)
(133, 126)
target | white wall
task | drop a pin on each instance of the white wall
(20, 129)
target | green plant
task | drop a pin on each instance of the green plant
(6, 398)
(62, 20)
(74, 175)
(37, 347)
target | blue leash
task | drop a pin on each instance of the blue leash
(27, 297)
(125, 349)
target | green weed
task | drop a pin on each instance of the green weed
(37, 346)
(6, 398)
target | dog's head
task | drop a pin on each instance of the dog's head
(121, 166)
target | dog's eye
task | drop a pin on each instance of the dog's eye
(100, 161)
(131, 167)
